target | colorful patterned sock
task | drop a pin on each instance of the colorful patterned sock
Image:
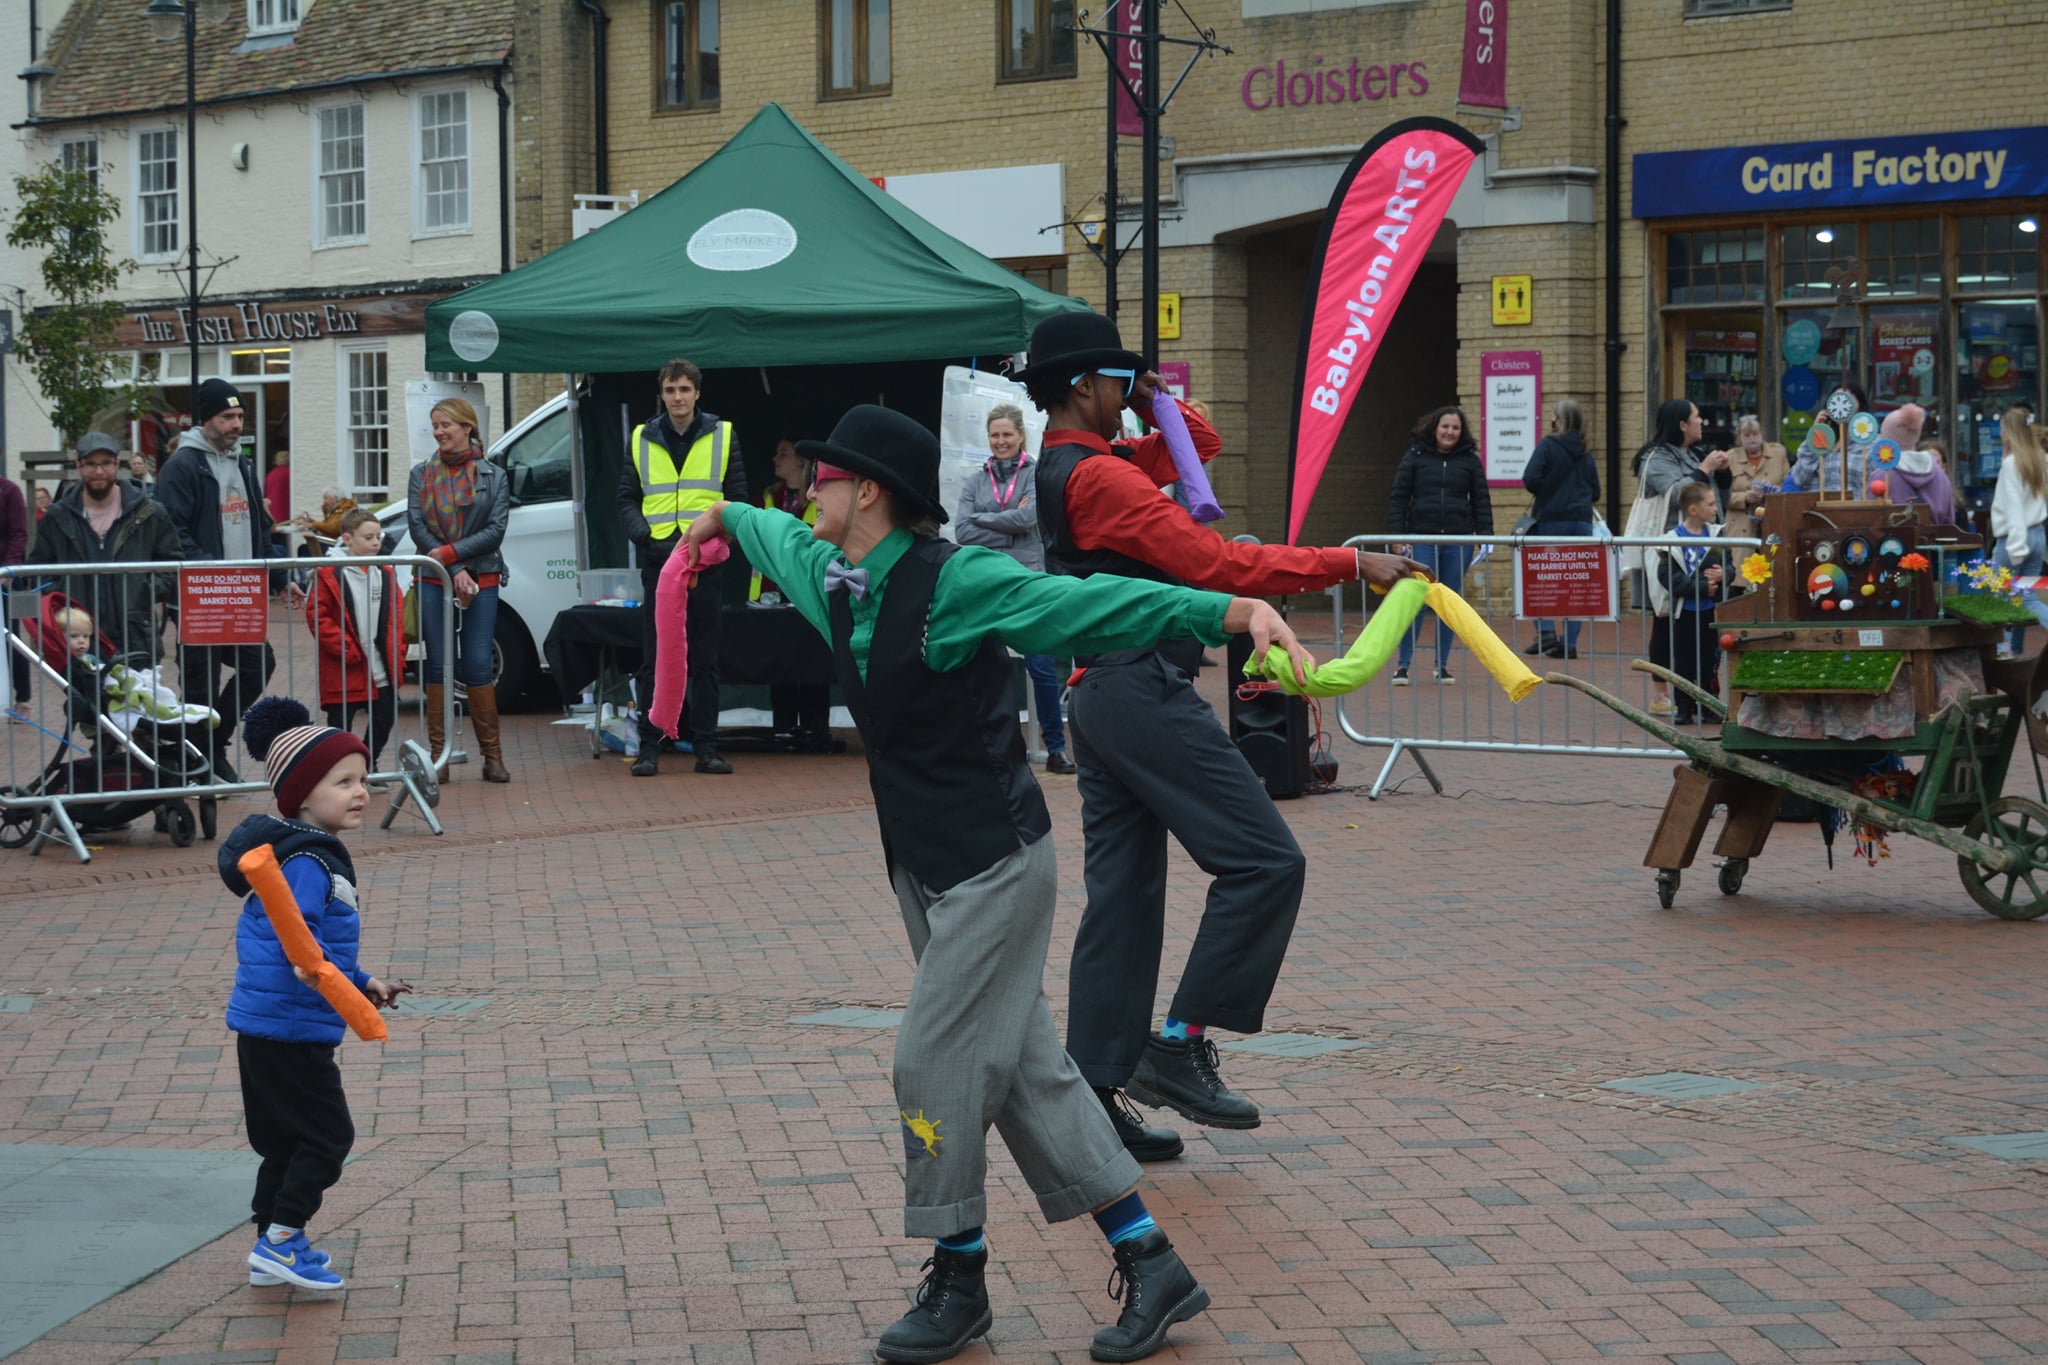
(1180, 1030)
(964, 1243)
(1125, 1219)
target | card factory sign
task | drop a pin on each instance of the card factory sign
(1993, 163)
(275, 321)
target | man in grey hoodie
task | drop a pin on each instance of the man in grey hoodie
(210, 489)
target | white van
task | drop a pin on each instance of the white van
(539, 550)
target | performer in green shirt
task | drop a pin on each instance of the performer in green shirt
(920, 631)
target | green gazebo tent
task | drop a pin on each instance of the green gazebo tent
(773, 252)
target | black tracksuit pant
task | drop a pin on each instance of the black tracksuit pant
(298, 1123)
(1154, 761)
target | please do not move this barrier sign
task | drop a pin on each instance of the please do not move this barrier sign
(1566, 582)
(223, 606)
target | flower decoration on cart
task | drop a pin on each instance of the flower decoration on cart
(1986, 592)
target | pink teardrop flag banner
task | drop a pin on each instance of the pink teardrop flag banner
(672, 628)
(1381, 220)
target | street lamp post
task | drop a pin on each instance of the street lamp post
(169, 16)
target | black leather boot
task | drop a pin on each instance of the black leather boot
(1157, 1290)
(1181, 1076)
(952, 1310)
(1146, 1144)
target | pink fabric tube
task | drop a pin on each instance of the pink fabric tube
(672, 628)
(1193, 479)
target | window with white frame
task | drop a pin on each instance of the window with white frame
(442, 184)
(340, 208)
(366, 417)
(273, 16)
(82, 154)
(156, 194)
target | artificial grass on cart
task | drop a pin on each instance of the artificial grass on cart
(1987, 609)
(1816, 670)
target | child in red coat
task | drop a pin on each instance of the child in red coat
(356, 615)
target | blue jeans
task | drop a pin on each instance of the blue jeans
(1044, 672)
(473, 631)
(2032, 562)
(1448, 563)
(1546, 631)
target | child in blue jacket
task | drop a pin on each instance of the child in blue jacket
(285, 1031)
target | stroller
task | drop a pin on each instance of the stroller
(129, 746)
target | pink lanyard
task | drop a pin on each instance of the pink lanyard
(1003, 494)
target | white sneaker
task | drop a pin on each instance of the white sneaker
(1400, 677)
(1443, 676)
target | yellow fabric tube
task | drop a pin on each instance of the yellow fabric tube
(1508, 670)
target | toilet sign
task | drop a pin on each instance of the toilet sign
(1169, 317)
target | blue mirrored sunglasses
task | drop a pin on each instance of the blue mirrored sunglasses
(1130, 378)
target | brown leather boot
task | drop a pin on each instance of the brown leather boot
(437, 733)
(483, 718)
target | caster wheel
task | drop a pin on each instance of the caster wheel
(1732, 873)
(1667, 888)
(17, 824)
(179, 824)
(209, 817)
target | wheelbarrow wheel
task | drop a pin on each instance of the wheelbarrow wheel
(1667, 887)
(2019, 827)
(1732, 873)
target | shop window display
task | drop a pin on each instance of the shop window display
(1998, 360)
(1715, 267)
(1721, 364)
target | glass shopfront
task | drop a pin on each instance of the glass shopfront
(1940, 308)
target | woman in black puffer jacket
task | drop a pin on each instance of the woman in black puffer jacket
(1440, 490)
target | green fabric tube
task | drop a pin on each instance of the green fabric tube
(1368, 654)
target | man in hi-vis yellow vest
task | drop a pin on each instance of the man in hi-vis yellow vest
(678, 464)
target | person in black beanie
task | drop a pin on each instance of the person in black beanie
(210, 489)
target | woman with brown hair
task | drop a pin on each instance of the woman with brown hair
(456, 506)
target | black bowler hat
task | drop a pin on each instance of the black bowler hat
(893, 450)
(1077, 343)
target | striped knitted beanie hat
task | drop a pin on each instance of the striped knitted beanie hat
(296, 754)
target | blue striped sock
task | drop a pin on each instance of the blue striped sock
(1180, 1030)
(964, 1243)
(1125, 1219)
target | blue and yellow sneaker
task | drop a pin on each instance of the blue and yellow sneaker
(263, 1279)
(291, 1262)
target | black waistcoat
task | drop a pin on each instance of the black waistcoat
(945, 754)
(1055, 465)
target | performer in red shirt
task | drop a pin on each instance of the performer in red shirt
(1153, 758)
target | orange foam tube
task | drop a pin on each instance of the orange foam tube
(259, 865)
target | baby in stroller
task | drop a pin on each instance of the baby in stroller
(133, 695)
(136, 738)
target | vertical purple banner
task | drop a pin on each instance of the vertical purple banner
(1127, 18)
(1484, 81)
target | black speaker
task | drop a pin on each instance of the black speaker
(1271, 729)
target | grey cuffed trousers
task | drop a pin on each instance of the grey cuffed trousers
(977, 1047)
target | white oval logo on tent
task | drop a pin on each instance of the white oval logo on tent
(745, 239)
(473, 335)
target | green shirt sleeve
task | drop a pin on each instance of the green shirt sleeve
(983, 593)
(782, 547)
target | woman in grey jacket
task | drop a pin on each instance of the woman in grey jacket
(456, 506)
(996, 510)
(1665, 464)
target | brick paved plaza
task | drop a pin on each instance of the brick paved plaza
(615, 1142)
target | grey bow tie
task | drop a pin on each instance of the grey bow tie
(855, 581)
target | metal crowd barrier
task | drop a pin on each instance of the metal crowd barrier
(1472, 713)
(104, 741)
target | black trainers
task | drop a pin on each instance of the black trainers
(952, 1310)
(1157, 1290)
(648, 764)
(1181, 1076)
(1400, 677)
(711, 762)
(1146, 1144)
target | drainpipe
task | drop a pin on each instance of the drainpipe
(599, 23)
(1615, 345)
(504, 218)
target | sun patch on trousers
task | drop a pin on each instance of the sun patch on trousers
(920, 1135)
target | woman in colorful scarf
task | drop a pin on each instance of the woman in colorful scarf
(456, 507)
